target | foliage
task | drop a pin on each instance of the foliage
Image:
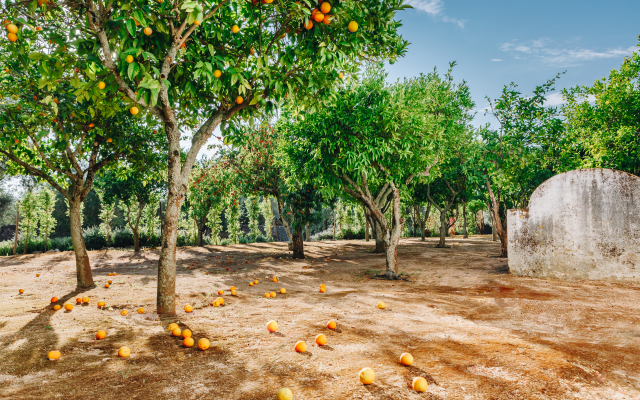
(253, 212)
(267, 212)
(29, 212)
(233, 220)
(46, 221)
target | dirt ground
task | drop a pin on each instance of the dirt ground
(474, 330)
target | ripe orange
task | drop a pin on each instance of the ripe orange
(220, 291)
(109, 140)
(216, 303)
(309, 25)
(196, 22)
(79, 300)
(239, 99)
(134, 110)
(203, 344)
(340, 75)
(419, 384)
(91, 125)
(406, 359)
(148, 31)
(273, 294)
(235, 29)
(274, 279)
(129, 58)
(54, 299)
(188, 308)
(68, 306)
(284, 394)
(85, 299)
(140, 310)
(322, 290)
(367, 376)
(186, 333)
(176, 332)
(353, 26)
(109, 282)
(37, 275)
(12, 37)
(57, 307)
(325, 7)
(267, 295)
(318, 17)
(124, 352)
(381, 305)
(106, 285)
(21, 291)
(301, 347)
(11, 28)
(250, 283)
(331, 325)
(101, 335)
(188, 342)
(321, 340)
(232, 288)
(101, 304)
(283, 291)
(101, 85)
(256, 282)
(272, 326)
(53, 355)
(220, 300)
(234, 293)
(327, 19)
(124, 312)
(172, 326)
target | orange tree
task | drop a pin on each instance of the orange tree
(60, 128)
(375, 140)
(193, 64)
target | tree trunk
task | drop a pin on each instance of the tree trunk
(26, 241)
(380, 245)
(275, 229)
(334, 226)
(83, 266)
(443, 228)
(366, 228)
(306, 227)
(392, 256)
(464, 220)
(298, 244)
(15, 238)
(423, 224)
(200, 234)
(136, 240)
(497, 223)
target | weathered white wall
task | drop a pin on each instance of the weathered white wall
(582, 224)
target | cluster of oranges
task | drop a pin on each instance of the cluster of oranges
(12, 30)
(187, 337)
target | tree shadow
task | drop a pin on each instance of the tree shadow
(326, 347)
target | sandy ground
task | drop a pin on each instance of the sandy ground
(475, 331)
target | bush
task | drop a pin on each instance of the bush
(37, 244)
(261, 239)
(348, 234)
(243, 240)
(226, 242)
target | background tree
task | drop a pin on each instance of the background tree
(374, 140)
(517, 151)
(46, 221)
(29, 211)
(108, 207)
(266, 210)
(252, 205)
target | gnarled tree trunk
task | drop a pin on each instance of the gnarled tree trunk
(497, 222)
(83, 266)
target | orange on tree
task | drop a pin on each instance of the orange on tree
(12, 37)
(239, 100)
(101, 85)
(148, 31)
(235, 29)
(309, 25)
(134, 110)
(129, 59)
(101, 335)
(318, 17)
(11, 28)
(327, 19)
(325, 7)
(353, 26)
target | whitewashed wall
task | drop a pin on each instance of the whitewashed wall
(583, 224)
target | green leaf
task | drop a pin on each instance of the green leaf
(131, 27)
(133, 70)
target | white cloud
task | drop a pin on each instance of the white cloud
(459, 22)
(556, 55)
(496, 59)
(556, 99)
(435, 8)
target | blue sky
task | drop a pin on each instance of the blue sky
(525, 42)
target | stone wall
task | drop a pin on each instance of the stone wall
(583, 224)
